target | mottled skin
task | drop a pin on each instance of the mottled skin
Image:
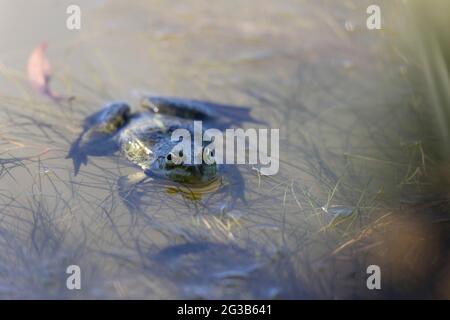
(144, 137)
(146, 142)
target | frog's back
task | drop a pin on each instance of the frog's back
(146, 136)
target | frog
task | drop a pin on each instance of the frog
(144, 138)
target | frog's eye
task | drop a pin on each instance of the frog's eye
(175, 158)
(208, 156)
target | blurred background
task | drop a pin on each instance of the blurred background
(364, 150)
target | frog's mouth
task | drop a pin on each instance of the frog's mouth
(192, 174)
(186, 173)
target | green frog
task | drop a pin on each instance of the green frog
(144, 137)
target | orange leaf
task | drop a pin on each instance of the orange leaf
(39, 71)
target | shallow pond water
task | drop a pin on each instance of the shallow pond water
(309, 68)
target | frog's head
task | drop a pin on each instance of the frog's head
(174, 166)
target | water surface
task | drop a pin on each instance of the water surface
(336, 91)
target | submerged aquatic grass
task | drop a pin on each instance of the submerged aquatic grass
(360, 179)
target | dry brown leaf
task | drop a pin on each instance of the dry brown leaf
(39, 71)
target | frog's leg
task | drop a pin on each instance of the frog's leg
(98, 132)
(231, 192)
(198, 110)
(236, 184)
(129, 192)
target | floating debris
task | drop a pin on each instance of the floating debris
(235, 214)
(339, 210)
(349, 26)
(39, 71)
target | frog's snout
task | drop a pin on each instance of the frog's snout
(184, 172)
